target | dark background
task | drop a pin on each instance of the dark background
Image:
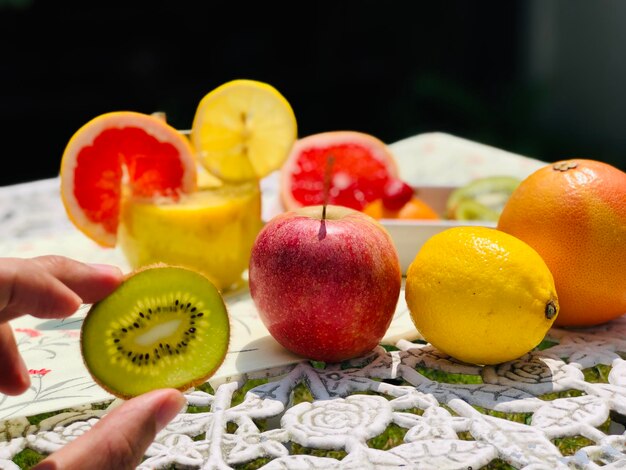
(544, 78)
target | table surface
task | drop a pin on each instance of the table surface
(403, 406)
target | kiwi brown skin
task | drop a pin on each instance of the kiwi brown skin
(192, 382)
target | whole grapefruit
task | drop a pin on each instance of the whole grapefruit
(573, 213)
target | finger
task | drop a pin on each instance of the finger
(51, 286)
(27, 288)
(120, 439)
(14, 378)
(91, 282)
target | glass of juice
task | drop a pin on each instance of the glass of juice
(211, 230)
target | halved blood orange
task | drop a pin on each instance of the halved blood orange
(361, 166)
(117, 152)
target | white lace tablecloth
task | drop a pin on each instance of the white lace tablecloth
(268, 408)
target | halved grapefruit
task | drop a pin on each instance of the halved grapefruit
(361, 166)
(116, 152)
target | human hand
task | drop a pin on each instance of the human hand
(54, 287)
(45, 287)
(120, 439)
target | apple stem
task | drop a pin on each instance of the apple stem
(329, 165)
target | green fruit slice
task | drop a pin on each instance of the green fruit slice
(163, 327)
(481, 199)
(468, 209)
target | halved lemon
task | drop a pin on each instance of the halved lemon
(243, 130)
(117, 152)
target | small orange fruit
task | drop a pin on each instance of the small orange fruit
(573, 213)
(415, 208)
(398, 201)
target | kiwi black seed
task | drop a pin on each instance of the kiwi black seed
(164, 326)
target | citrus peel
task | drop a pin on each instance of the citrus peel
(480, 295)
(573, 212)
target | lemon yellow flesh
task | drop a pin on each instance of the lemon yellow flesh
(243, 130)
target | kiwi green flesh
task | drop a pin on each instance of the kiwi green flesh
(487, 198)
(163, 327)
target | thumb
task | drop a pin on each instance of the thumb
(120, 439)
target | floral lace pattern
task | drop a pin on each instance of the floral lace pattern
(445, 424)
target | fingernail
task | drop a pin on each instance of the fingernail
(106, 268)
(169, 409)
(24, 372)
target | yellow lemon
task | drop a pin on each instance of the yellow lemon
(243, 130)
(480, 295)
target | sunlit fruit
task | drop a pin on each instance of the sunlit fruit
(164, 326)
(326, 286)
(480, 295)
(122, 152)
(360, 167)
(243, 130)
(573, 212)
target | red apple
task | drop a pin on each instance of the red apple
(325, 288)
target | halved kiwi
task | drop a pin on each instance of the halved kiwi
(481, 199)
(164, 326)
